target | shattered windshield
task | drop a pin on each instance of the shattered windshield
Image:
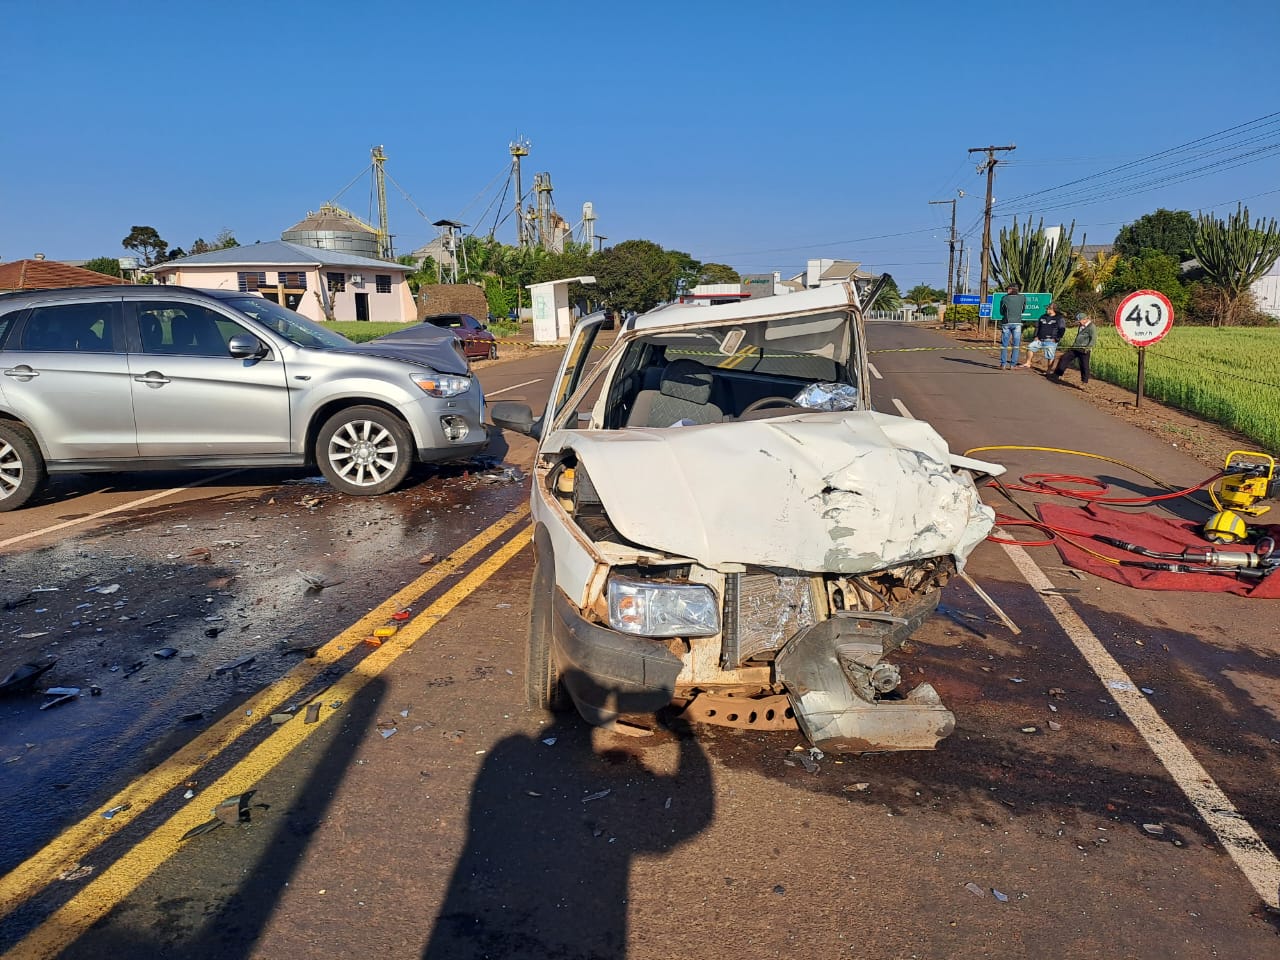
(730, 371)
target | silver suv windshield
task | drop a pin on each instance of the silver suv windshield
(294, 327)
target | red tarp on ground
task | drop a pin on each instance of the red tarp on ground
(1154, 533)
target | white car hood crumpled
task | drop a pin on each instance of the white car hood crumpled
(847, 492)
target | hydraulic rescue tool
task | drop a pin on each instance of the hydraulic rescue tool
(1252, 565)
(1247, 477)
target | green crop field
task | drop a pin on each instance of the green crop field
(1227, 375)
(362, 331)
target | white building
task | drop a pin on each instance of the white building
(1266, 290)
(319, 284)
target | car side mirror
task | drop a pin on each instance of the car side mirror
(244, 346)
(516, 417)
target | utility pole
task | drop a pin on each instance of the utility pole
(960, 288)
(951, 245)
(990, 166)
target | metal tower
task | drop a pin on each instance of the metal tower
(519, 148)
(589, 225)
(380, 182)
(542, 184)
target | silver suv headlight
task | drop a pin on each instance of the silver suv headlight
(442, 384)
(651, 608)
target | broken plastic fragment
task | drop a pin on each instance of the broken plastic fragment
(279, 718)
(234, 664)
(312, 714)
(1002, 897)
(387, 732)
(600, 795)
(77, 872)
(165, 653)
(109, 814)
(108, 589)
(550, 741)
(976, 890)
(1155, 829)
(1123, 685)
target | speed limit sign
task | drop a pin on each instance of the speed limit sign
(1144, 317)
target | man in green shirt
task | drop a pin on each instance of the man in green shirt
(1079, 352)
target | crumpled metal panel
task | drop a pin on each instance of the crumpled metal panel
(822, 492)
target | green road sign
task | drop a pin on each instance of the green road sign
(1037, 303)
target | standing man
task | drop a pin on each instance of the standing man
(1085, 338)
(1049, 330)
(1011, 308)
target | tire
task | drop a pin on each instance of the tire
(364, 451)
(493, 351)
(542, 687)
(22, 471)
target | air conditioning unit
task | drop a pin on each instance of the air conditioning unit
(357, 280)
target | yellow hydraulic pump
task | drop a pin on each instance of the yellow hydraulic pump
(1247, 478)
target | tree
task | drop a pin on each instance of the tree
(890, 297)
(686, 270)
(922, 296)
(200, 245)
(1027, 258)
(1168, 231)
(1094, 275)
(108, 265)
(225, 240)
(1234, 255)
(146, 242)
(718, 273)
(635, 275)
(1150, 270)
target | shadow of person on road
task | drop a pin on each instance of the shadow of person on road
(552, 832)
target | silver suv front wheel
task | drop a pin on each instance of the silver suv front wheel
(364, 451)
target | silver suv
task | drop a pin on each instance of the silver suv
(161, 377)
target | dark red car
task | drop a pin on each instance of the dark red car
(477, 342)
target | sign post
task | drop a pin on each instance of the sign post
(1141, 319)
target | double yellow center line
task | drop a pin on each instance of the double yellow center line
(142, 859)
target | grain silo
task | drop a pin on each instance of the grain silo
(332, 228)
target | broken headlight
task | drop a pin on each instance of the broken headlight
(651, 608)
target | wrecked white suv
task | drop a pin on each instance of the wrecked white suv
(722, 522)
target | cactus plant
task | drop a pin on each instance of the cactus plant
(1234, 255)
(1029, 260)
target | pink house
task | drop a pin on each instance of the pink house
(319, 284)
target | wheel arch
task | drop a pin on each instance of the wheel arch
(322, 413)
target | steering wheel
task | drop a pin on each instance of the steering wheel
(765, 402)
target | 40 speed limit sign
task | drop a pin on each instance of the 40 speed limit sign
(1144, 317)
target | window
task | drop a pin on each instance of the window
(337, 282)
(382, 282)
(184, 329)
(72, 327)
(251, 281)
(294, 280)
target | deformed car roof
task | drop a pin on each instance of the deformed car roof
(833, 297)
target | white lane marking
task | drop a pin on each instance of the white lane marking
(514, 387)
(1251, 855)
(103, 513)
(874, 372)
(1255, 860)
(902, 408)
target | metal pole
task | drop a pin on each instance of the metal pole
(1142, 377)
(984, 275)
(951, 246)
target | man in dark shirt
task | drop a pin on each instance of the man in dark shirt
(1049, 330)
(1011, 307)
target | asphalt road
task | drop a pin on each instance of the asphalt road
(1070, 815)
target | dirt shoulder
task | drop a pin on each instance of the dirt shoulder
(1205, 441)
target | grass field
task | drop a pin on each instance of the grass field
(360, 332)
(1227, 375)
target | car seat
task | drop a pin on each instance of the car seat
(684, 393)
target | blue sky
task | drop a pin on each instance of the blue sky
(755, 134)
